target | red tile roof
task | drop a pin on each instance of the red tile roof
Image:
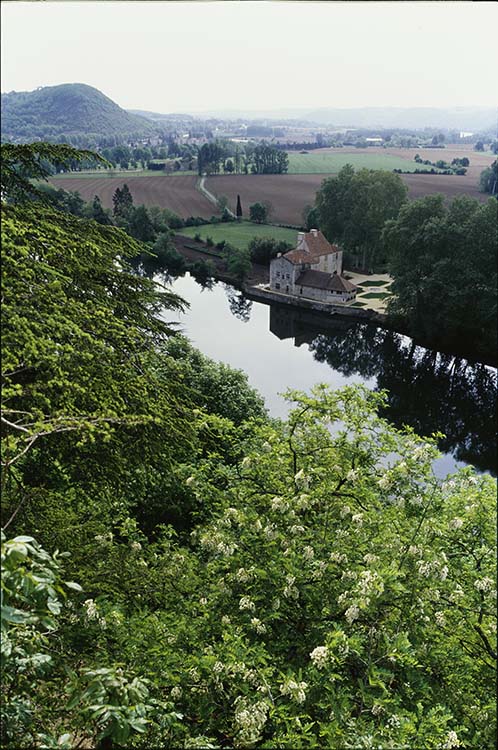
(317, 245)
(322, 280)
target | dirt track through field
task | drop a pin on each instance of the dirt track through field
(288, 193)
(179, 194)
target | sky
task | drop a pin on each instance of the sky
(243, 55)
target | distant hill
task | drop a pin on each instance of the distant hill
(157, 116)
(411, 118)
(70, 111)
(459, 118)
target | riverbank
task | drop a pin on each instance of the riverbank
(254, 289)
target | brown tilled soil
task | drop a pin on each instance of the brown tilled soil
(288, 193)
(178, 193)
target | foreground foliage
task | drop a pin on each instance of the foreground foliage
(226, 580)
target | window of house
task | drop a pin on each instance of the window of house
(277, 286)
(288, 275)
(287, 288)
(278, 274)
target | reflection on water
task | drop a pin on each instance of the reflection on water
(430, 391)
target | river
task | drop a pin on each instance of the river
(280, 348)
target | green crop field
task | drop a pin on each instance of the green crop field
(240, 234)
(319, 162)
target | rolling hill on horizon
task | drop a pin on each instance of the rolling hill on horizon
(73, 110)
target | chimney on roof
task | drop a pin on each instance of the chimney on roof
(314, 232)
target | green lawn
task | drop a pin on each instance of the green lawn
(375, 295)
(240, 234)
(381, 282)
(332, 161)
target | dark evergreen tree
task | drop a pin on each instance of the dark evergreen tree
(122, 201)
(141, 227)
(98, 213)
(238, 210)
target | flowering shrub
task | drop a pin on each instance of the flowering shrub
(336, 595)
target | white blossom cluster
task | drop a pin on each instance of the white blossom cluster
(246, 602)
(308, 553)
(352, 475)
(258, 626)
(483, 584)
(369, 582)
(297, 529)
(104, 539)
(352, 613)
(243, 575)
(455, 523)
(434, 568)
(296, 690)
(215, 543)
(451, 741)
(250, 719)
(92, 613)
(279, 504)
(303, 502)
(301, 480)
(385, 481)
(290, 591)
(440, 619)
(370, 558)
(338, 557)
(270, 531)
(318, 570)
(319, 656)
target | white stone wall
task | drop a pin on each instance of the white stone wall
(282, 275)
(324, 295)
(329, 263)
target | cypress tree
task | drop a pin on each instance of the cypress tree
(238, 210)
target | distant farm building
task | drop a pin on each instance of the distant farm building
(312, 270)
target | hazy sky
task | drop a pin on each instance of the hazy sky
(194, 56)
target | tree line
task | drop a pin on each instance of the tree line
(442, 256)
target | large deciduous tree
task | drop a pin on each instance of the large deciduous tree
(258, 213)
(443, 260)
(353, 208)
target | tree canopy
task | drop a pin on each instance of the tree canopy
(444, 263)
(353, 208)
(226, 579)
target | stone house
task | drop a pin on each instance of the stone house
(312, 270)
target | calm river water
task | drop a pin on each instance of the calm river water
(279, 347)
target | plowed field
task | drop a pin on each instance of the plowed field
(179, 194)
(290, 193)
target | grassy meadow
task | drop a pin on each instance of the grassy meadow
(240, 234)
(326, 162)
